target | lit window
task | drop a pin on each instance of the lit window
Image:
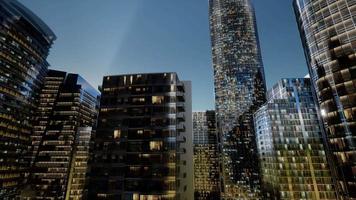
(117, 134)
(139, 132)
(156, 145)
(135, 169)
(136, 196)
(135, 100)
(157, 99)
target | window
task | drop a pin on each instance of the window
(138, 100)
(136, 196)
(156, 145)
(117, 134)
(157, 99)
(135, 169)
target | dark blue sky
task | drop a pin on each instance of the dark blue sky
(97, 38)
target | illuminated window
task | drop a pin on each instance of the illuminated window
(157, 99)
(342, 157)
(135, 169)
(136, 100)
(140, 89)
(150, 197)
(139, 132)
(144, 156)
(136, 196)
(117, 134)
(156, 145)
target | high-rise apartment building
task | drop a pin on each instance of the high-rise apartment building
(328, 34)
(239, 91)
(293, 159)
(65, 117)
(143, 146)
(25, 41)
(206, 156)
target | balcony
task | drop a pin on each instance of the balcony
(181, 127)
(181, 116)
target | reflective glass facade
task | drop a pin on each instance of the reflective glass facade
(206, 157)
(239, 91)
(143, 145)
(77, 179)
(290, 144)
(24, 45)
(328, 34)
(66, 114)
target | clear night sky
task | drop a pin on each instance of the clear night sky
(102, 37)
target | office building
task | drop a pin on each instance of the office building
(66, 114)
(143, 146)
(293, 159)
(239, 92)
(328, 33)
(206, 156)
(25, 41)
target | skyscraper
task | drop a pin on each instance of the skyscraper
(24, 45)
(206, 156)
(239, 91)
(64, 120)
(293, 159)
(328, 33)
(143, 146)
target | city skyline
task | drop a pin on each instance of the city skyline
(183, 44)
(133, 135)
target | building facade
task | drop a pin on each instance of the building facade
(328, 33)
(293, 159)
(24, 46)
(206, 157)
(65, 117)
(239, 91)
(143, 145)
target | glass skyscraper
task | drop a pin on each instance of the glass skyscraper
(328, 33)
(293, 159)
(206, 156)
(239, 91)
(24, 46)
(143, 148)
(65, 117)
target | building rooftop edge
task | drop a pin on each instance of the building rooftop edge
(144, 73)
(17, 9)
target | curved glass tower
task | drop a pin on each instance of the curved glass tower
(328, 34)
(293, 161)
(239, 91)
(24, 45)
